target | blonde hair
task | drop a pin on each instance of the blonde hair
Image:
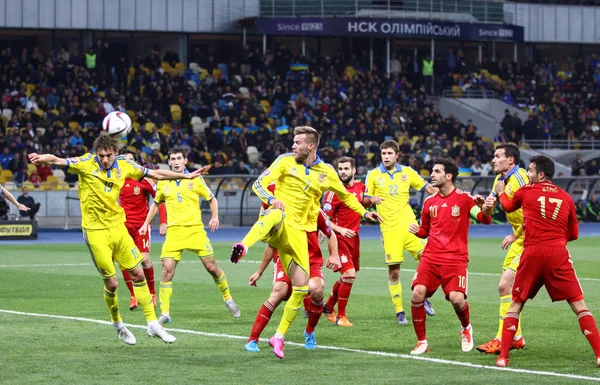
(312, 136)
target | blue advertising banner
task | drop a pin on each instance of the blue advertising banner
(368, 27)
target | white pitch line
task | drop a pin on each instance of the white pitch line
(242, 261)
(337, 348)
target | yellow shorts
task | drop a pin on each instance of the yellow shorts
(513, 256)
(111, 245)
(292, 246)
(395, 242)
(191, 238)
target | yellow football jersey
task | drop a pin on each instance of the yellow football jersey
(182, 201)
(394, 188)
(300, 188)
(99, 189)
(515, 178)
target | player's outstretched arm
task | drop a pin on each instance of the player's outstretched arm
(172, 175)
(11, 199)
(214, 209)
(47, 159)
(264, 262)
(510, 205)
(344, 232)
(431, 190)
(151, 213)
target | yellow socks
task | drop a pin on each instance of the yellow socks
(112, 303)
(505, 301)
(267, 220)
(164, 295)
(291, 308)
(142, 293)
(223, 286)
(396, 293)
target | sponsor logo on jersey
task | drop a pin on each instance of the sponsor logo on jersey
(455, 211)
(327, 207)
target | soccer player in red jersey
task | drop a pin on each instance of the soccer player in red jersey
(282, 285)
(346, 225)
(445, 220)
(134, 201)
(550, 221)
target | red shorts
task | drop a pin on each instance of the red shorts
(549, 266)
(315, 255)
(349, 251)
(141, 241)
(451, 277)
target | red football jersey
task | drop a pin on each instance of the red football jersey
(341, 214)
(548, 212)
(445, 220)
(134, 200)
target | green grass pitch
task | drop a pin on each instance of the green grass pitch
(61, 280)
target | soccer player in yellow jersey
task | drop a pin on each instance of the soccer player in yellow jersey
(186, 231)
(506, 164)
(101, 178)
(388, 186)
(302, 178)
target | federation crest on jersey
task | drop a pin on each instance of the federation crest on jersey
(119, 173)
(322, 177)
(191, 185)
(509, 190)
(136, 190)
(455, 211)
(403, 177)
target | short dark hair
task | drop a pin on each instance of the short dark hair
(511, 150)
(450, 167)
(390, 144)
(177, 150)
(125, 151)
(347, 159)
(106, 142)
(543, 164)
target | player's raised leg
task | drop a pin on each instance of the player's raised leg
(268, 223)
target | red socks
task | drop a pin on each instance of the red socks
(343, 295)
(333, 297)
(463, 315)
(149, 274)
(307, 300)
(262, 319)
(314, 314)
(589, 329)
(128, 282)
(418, 319)
(511, 324)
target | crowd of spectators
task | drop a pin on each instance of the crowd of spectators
(238, 116)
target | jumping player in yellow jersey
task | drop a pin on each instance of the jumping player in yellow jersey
(506, 164)
(186, 231)
(101, 178)
(302, 178)
(388, 186)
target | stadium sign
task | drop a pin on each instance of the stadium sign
(369, 27)
(16, 231)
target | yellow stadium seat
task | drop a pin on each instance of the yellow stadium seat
(136, 126)
(142, 88)
(52, 179)
(73, 126)
(132, 115)
(150, 126)
(175, 113)
(39, 112)
(165, 129)
(31, 168)
(46, 186)
(30, 89)
(469, 145)
(415, 138)
(216, 73)
(266, 106)
(253, 119)
(29, 185)
(7, 174)
(2, 179)
(345, 144)
(180, 67)
(424, 172)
